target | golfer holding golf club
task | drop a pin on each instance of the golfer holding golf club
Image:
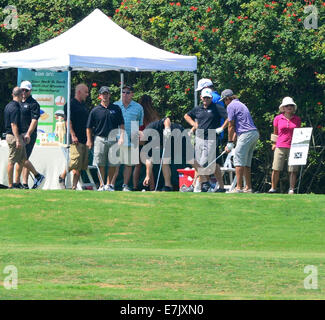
(240, 126)
(207, 121)
(163, 133)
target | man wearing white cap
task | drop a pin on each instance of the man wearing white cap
(283, 124)
(207, 83)
(30, 113)
(206, 118)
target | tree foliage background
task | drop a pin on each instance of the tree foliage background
(260, 49)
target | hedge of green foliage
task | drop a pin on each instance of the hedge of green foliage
(262, 50)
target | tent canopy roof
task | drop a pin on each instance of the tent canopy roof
(97, 44)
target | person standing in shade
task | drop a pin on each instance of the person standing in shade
(14, 138)
(284, 124)
(132, 112)
(78, 122)
(241, 128)
(102, 120)
(30, 113)
(150, 115)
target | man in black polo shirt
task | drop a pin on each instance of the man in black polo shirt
(207, 119)
(78, 122)
(14, 138)
(102, 121)
(30, 113)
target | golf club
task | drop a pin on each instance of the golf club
(215, 159)
(161, 162)
(99, 174)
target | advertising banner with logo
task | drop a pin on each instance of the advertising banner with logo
(50, 89)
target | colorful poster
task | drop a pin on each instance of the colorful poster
(50, 89)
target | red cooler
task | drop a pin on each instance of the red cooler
(185, 177)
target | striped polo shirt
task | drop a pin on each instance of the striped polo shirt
(134, 112)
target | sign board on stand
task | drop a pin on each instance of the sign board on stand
(300, 146)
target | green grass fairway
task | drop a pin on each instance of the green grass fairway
(118, 245)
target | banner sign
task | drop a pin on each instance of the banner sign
(50, 89)
(299, 146)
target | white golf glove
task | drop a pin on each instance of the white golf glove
(167, 133)
(230, 146)
(219, 130)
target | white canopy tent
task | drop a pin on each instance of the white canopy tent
(98, 44)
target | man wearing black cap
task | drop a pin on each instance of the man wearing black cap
(102, 122)
(30, 113)
(78, 122)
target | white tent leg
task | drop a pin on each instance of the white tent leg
(68, 181)
(195, 86)
(122, 83)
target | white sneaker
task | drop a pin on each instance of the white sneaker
(101, 188)
(109, 187)
(291, 191)
(125, 187)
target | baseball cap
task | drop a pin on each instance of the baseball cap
(104, 89)
(226, 93)
(203, 83)
(207, 92)
(26, 85)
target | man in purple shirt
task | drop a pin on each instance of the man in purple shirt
(240, 126)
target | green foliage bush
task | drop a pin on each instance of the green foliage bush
(260, 49)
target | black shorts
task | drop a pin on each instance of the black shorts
(30, 146)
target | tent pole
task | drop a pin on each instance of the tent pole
(195, 86)
(122, 83)
(68, 127)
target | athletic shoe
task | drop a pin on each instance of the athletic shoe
(184, 188)
(235, 190)
(205, 187)
(125, 187)
(221, 190)
(291, 191)
(39, 178)
(25, 186)
(101, 188)
(62, 182)
(17, 186)
(272, 191)
(166, 189)
(109, 187)
(248, 191)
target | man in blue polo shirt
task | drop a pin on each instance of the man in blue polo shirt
(132, 112)
(102, 120)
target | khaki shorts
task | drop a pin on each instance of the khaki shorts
(281, 155)
(106, 152)
(16, 155)
(245, 146)
(78, 157)
(129, 156)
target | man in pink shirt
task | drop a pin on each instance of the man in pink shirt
(283, 124)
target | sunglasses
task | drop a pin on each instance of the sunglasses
(24, 90)
(206, 97)
(126, 92)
